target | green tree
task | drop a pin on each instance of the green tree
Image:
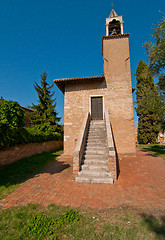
(11, 114)
(45, 112)
(156, 53)
(150, 107)
(144, 79)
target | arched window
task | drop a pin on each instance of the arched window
(114, 27)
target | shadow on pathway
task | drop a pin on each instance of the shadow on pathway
(140, 184)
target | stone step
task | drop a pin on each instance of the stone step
(93, 129)
(96, 143)
(101, 146)
(95, 167)
(97, 128)
(95, 151)
(98, 180)
(96, 138)
(94, 173)
(98, 135)
(95, 161)
(97, 123)
(93, 156)
(96, 147)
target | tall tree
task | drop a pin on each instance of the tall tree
(150, 107)
(156, 53)
(45, 109)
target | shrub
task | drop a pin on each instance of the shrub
(44, 132)
(12, 131)
(10, 136)
(11, 113)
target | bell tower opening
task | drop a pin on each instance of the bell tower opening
(114, 27)
(114, 24)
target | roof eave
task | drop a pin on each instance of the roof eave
(60, 83)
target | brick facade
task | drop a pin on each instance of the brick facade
(119, 102)
(77, 104)
(116, 90)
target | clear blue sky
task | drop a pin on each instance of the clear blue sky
(65, 39)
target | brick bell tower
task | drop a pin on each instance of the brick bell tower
(116, 60)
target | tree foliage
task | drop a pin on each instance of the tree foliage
(150, 107)
(144, 79)
(156, 53)
(11, 114)
(11, 136)
(45, 109)
(13, 131)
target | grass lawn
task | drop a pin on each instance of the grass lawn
(13, 174)
(57, 222)
(155, 149)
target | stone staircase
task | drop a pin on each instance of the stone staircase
(95, 166)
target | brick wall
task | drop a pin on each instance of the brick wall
(21, 151)
(116, 91)
(119, 98)
(77, 104)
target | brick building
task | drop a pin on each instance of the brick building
(27, 118)
(107, 98)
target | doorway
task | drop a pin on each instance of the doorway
(96, 108)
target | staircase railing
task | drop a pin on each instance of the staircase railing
(79, 149)
(111, 147)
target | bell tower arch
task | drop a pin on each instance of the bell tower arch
(114, 24)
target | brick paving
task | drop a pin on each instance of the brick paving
(141, 184)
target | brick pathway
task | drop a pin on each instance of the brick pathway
(141, 183)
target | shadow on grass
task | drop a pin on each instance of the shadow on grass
(18, 172)
(155, 225)
(155, 149)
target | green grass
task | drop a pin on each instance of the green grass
(58, 223)
(13, 174)
(155, 149)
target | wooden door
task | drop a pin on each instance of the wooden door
(96, 108)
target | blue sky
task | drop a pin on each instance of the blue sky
(64, 38)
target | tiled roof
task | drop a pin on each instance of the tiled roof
(76, 79)
(28, 109)
(116, 36)
(61, 82)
